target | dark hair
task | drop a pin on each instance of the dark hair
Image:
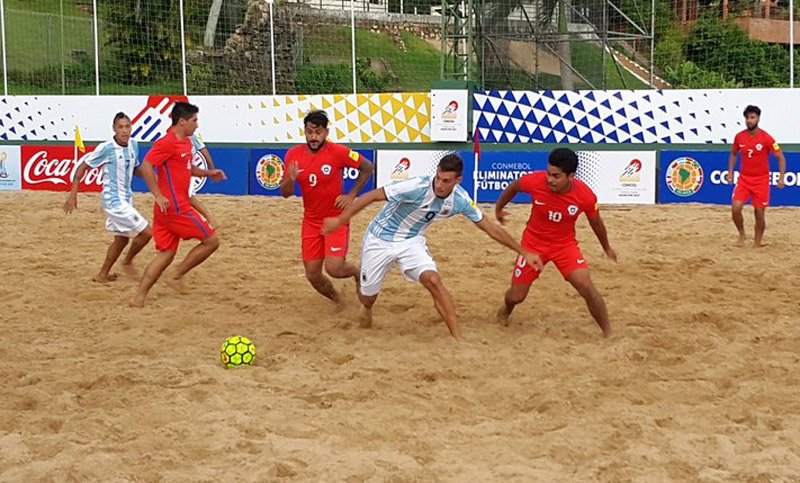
(565, 159)
(183, 110)
(317, 118)
(452, 163)
(118, 116)
(752, 109)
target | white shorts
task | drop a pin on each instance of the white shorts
(378, 256)
(125, 221)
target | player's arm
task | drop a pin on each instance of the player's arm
(778, 152)
(91, 160)
(599, 228)
(732, 162)
(149, 176)
(215, 174)
(348, 158)
(498, 234)
(72, 199)
(287, 183)
(505, 198)
(365, 170)
(207, 155)
(332, 224)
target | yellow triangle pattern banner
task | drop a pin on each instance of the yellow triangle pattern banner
(361, 118)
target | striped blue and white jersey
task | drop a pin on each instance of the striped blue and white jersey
(118, 163)
(413, 205)
(197, 144)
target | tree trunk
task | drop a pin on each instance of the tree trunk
(211, 25)
(565, 47)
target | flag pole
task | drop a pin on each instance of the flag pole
(476, 138)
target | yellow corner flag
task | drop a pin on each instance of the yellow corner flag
(78, 141)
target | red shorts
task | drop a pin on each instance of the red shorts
(317, 246)
(169, 230)
(755, 190)
(567, 259)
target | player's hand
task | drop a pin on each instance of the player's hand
(533, 260)
(330, 225)
(611, 254)
(728, 178)
(781, 184)
(217, 175)
(343, 201)
(293, 171)
(162, 202)
(501, 216)
(71, 204)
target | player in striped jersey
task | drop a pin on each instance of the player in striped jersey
(396, 234)
(119, 158)
(200, 153)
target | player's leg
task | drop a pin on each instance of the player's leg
(417, 265)
(573, 267)
(196, 256)
(336, 246)
(582, 281)
(200, 207)
(442, 300)
(377, 258)
(313, 250)
(167, 245)
(521, 281)
(151, 274)
(760, 203)
(112, 254)
(190, 225)
(761, 226)
(128, 222)
(137, 244)
(741, 194)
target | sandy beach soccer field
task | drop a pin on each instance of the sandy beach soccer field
(701, 381)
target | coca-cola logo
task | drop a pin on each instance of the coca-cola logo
(53, 168)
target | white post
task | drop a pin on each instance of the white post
(353, 41)
(183, 50)
(3, 32)
(272, 44)
(791, 43)
(96, 51)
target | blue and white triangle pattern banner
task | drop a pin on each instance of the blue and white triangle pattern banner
(655, 116)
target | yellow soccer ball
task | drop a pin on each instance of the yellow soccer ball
(237, 351)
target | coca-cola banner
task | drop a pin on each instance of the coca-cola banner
(10, 178)
(51, 168)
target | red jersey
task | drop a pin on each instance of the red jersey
(172, 158)
(320, 177)
(553, 215)
(755, 151)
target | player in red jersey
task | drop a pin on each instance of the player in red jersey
(317, 167)
(753, 183)
(174, 218)
(557, 201)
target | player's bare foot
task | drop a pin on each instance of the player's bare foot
(759, 244)
(739, 242)
(105, 278)
(365, 318)
(176, 284)
(136, 301)
(503, 317)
